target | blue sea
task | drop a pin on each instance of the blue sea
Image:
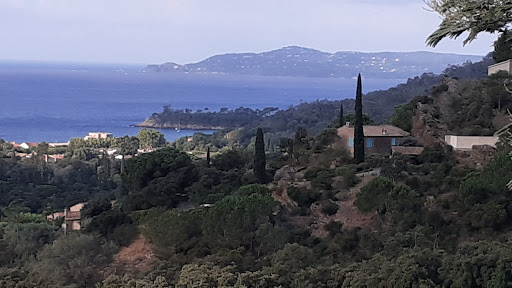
(55, 102)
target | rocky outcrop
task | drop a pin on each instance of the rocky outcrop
(424, 125)
(290, 174)
(429, 124)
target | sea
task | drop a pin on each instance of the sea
(55, 102)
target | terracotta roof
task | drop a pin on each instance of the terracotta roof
(407, 150)
(77, 207)
(378, 131)
(383, 131)
(73, 215)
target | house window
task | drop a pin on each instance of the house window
(350, 142)
(393, 141)
(369, 142)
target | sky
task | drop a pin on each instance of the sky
(188, 31)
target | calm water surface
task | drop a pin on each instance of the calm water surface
(54, 103)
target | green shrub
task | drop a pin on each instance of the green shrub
(323, 180)
(248, 190)
(475, 189)
(123, 235)
(489, 215)
(303, 196)
(312, 173)
(320, 178)
(113, 225)
(403, 117)
(330, 208)
(373, 194)
(333, 228)
(300, 211)
(436, 90)
(404, 207)
(349, 176)
(436, 154)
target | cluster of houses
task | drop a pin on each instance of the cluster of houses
(27, 149)
(390, 140)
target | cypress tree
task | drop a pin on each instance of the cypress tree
(208, 157)
(259, 157)
(358, 126)
(342, 117)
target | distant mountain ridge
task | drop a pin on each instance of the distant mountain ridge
(296, 61)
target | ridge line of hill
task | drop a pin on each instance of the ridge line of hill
(294, 61)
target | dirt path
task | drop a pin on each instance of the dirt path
(348, 214)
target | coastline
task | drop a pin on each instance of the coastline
(150, 124)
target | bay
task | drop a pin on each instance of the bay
(55, 102)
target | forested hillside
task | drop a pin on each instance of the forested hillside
(274, 199)
(379, 106)
(313, 219)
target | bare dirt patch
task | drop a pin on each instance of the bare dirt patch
(136, 258)
(348, 214)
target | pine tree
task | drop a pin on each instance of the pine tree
(208, 160)
(358, 126)
(342, 117)
(259, 157)
(503, 47)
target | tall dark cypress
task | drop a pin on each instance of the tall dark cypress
(358, 126)
(342, 117)
(259, 157)
(208, 157)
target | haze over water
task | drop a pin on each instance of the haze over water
(54, 103)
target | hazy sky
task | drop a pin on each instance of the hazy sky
(184, 31)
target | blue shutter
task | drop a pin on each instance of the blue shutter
(393, 141)
(369, 142)
(350, 142)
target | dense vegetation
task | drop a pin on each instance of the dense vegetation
(212, 221)
(461, 107)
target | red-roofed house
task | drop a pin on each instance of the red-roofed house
(378, 139)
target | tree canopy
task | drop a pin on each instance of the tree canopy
(150, 138)
(157, 179)
(473, 16)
